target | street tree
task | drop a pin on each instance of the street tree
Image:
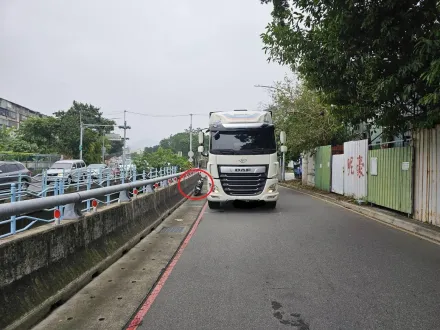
(377, 62)
(151, 149)
(70, 130)
(44, 132)
(307, 121)
(160, 158)
(11, 141)
(61, 133)
(180, 142)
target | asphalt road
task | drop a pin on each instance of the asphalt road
(306, 265)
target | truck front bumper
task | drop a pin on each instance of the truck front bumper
(268, 195)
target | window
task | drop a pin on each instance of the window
(61, 166)
(11, 168)
(12, 114)
(241, 142)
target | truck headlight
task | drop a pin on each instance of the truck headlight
(272, 188)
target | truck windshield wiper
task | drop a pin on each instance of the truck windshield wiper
(259, 150)
(224, 151)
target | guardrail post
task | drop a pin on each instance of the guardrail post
(44, 184)
(77, 183)
(56, 192)
(123, 196)
(89, 185)
(61, 192)
(20, 187)
(55, 188)
(70, 212)
(13, 200)
(108, 185)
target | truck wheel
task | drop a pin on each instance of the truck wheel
(214, 205)
(271, 205)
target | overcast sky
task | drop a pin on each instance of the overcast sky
(154, 57)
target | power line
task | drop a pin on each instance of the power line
(167, 116)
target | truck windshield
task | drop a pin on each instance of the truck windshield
(241, 142)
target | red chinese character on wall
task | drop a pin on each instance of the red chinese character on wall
(360, 166)
(350, 166)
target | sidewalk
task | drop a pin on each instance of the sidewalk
(388, 217)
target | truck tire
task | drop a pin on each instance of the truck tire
(214, 205)
(271, 205)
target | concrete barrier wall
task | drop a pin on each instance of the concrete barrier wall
(41, 269)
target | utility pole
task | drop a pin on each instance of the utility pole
(103, 149)
(80, 137)
(190, 153)
(125, 127)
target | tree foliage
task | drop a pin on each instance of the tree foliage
(10, 141)
(61, 133)
(180, 142)
(160, 158)
(70, 127)
(378, 62)
(307, 121)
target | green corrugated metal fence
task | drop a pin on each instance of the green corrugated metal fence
(322, 168)
(390, 180)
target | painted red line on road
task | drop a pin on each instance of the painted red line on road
(153, 295)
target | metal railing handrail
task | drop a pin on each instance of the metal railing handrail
(33, 205)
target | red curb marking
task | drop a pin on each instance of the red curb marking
(137, 320)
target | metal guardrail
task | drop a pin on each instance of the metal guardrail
(63, 205)
(41, 186)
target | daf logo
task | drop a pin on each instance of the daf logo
(243, 160)
(243, 170)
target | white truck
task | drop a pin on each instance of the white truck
(242, 157)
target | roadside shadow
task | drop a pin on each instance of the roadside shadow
(245, 207)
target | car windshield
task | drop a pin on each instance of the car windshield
(240, 142)
(61, 166)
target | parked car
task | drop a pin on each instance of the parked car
(11, 171)
(70, 170)
(95, 169)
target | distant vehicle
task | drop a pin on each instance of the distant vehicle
(96, 169)
(11, 172)
(70, 170)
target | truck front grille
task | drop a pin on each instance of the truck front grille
(243, 184)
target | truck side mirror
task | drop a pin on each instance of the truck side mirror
(201, 138)
(283, 137)
(200, 149)
(283, 149)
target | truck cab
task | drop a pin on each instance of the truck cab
(242, 157)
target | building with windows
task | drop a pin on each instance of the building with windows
(11, 114)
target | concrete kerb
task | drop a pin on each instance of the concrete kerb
(405, 225)
(158, 212)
